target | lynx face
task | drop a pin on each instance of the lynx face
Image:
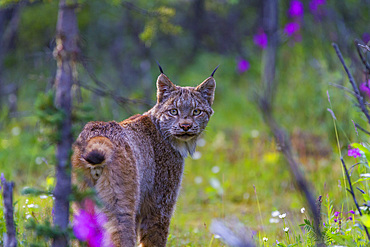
(183, 112)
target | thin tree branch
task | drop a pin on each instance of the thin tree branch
(358, 45)
(10, 239)
(347, 90)
(353, 83)
(353, 194)
(362, 129)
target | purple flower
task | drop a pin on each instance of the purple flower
(291, 28)
(296, 8)
(260, 39)
(364, 87)
(89, 226)
(355, 152)
(2, 178)
(335, 220)
(366, 37)
(336, 214)
(243, 65)
(351, 212)
(349, 218)
(314, 5)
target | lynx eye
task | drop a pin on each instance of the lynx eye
(173, 112)
(196, 112)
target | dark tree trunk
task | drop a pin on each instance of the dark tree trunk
(10, 239)
(9, 22)
(66, 52)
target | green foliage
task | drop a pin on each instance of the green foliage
(160, 21)
(50, 116)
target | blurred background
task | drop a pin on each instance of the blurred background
(237, 170)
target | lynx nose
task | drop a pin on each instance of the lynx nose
(185, 126)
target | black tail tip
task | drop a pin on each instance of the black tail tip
(214, 71)
(94, 157)
(160, 68)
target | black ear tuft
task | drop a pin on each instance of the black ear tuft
(160, 68)
(213, 73)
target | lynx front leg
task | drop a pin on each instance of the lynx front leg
(154, 231)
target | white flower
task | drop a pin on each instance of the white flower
(265, 239)
(215, 169)
(196, 155)
(273, 220)
(43, 196)
(275, 213)
(198, 180)
(286, 229)
(282, 216)
(217, 236)
(303, 210)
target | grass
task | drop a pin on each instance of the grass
(238, 172)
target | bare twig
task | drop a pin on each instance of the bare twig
(347, 90)
(358, 45)
(362, 129)
(353, 83)
(10, 239)
(233, 233)
(105, 92)
(351, 191)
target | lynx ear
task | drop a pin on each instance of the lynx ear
(164, 87)
(207, 89)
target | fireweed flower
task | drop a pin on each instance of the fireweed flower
(296, 8)
(364, 87)
(243, 65)
(2, 178)
(292, 28)
(260, 39)
(355, 152)
(314, 5)
(366, 37)
(89, 226)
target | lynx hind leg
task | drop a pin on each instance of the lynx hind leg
(118, 188)
(154, 229)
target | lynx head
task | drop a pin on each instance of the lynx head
(182, 113)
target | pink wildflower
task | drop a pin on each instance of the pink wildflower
(364, 87)
(291, 28)
(296, 8)
(314, 4)
(243, 65)
(355, 152)
(260, 39)
(89, 226)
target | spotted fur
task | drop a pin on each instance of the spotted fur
(136, 165)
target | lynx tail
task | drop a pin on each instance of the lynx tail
(98, 150)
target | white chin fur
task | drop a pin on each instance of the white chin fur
(184, 147)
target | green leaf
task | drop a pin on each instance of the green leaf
(362, 148)
(365, 220)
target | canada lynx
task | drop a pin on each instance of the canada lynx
(136, 165)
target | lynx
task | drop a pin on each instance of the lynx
(136, 165)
